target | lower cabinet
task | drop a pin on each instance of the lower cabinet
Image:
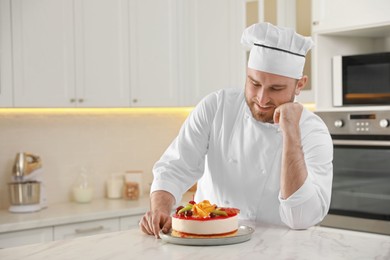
(67, 231)
(129, 222)
(85, 228)
(25, 237)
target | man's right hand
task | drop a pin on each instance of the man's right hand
(159, 217)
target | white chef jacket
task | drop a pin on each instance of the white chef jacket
(237, 162)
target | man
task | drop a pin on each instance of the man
(255, 150)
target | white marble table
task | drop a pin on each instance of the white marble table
(268, 242)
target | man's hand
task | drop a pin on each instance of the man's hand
(158, 218)
(288, 116)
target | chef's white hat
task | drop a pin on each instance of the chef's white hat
(276, 50)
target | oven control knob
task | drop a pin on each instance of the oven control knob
(338, 123)
(384, 123)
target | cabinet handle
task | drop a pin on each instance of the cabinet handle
(87, 230)
(135, 100)
(316, 23)
(81, 100)
(72, 100)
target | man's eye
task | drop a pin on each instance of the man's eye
(277, 89)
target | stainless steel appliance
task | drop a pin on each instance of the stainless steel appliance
(361, 170)
(361, 79)
(27, 191)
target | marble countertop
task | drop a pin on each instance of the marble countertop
(267, 242)
(71, 212)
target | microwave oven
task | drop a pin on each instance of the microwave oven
(361, 80)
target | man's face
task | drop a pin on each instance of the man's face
(265, 91)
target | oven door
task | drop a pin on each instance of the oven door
(361, 186)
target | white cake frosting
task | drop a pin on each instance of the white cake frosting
(205, 227)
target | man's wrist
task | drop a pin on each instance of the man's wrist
(162, 201)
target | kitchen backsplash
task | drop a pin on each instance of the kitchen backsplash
(103, 142)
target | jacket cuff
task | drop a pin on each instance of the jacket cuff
(304, 193)
(168, 187)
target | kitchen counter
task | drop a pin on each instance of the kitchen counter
(71, 212)
(267, 242)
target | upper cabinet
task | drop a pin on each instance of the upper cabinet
(70, 53)
(154, 47)
(331, 15)
(347, 27)
(5, 55)
(102, 53)
(43, 53)
(118, 53)
(211, 55)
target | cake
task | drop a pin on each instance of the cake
(204, 220)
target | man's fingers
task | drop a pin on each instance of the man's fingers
(144, 225)
(276, 116)
(155, 224)
(167, 226)
(152, 222)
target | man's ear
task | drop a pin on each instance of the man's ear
(301, 83)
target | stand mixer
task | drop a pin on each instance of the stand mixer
(27, 190)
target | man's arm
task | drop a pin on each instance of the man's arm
(293, 170)
(304, 201)
(158, 218)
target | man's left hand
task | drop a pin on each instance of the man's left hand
(288, 115)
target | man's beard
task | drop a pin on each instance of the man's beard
(265, 117)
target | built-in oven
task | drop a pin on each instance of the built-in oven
(361, 170)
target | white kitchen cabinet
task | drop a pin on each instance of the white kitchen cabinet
(43, 53)
(5, 54)
(30, 236)
(211, 55)
(153, 52)
(120, 53)
(102, 56)
(70, 53)
(183, 50)
(332, 15)
(129, 222)
(86, 228)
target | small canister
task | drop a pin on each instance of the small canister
(114, 186)
(132, 188)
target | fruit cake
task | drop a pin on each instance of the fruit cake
(204, 220)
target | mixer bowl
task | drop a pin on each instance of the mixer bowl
(24, 193)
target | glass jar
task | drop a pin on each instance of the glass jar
(82, 189)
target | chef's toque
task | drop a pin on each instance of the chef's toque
(276, 50)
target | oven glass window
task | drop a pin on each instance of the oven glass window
(361, 182)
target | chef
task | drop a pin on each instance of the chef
(254, 148)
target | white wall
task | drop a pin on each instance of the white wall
(104, 143)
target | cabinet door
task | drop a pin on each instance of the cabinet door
(30, 236)
(86, 228)
(212, 57)
(5, 55)
(129, 222)
(102, 58)
(329, 15)
(43, 53)
(153, 53)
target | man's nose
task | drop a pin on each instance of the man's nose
(262, 96)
